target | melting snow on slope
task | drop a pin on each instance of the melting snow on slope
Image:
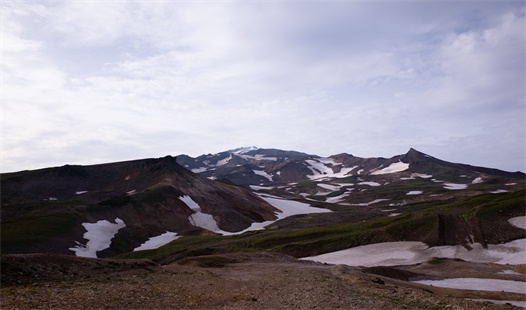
(287, 208)
(519, 221)
(412, 252)
(329, 186)
(365, 204)
(392, 168)
(454, 186)
(320, 169)
(263, 174)
(369, 183)
(99, 237)
(495, 285)
(477, 180)
(157, 241)
(200, 219)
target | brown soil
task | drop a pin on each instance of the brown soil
(233, 281)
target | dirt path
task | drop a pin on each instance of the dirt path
(238, 281)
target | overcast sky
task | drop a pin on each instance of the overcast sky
(87, 82)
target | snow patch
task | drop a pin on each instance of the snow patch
(414, 193)
(519, 221)
(392, 168)
(199, 170)
(499, 191)
(80, 192)
(99, 237)
(454, 186)
(494, 285)
(200, 219)
(263, 174)
(258, 188)
(369, 183)
(477, 181)
(365, 204)
(413, 252)
(157, 241)
(329, 186)
(421, 175)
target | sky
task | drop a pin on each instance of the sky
(87, 82)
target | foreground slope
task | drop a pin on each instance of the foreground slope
(234, 281)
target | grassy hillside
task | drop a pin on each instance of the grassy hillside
(484, 217)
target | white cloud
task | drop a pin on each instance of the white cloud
(177, 77)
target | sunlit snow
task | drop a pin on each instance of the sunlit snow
(99, 237)
(157, 241)
(414, 192)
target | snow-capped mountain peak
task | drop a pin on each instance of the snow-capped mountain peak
(243, 150)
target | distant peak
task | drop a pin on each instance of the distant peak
(243, 150)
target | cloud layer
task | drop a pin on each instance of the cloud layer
(91, 82)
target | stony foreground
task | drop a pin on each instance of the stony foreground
(235, 281)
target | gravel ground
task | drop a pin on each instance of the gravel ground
(238, 281)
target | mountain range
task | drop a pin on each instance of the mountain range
(67, 209)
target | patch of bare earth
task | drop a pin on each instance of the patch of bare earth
(233, 281)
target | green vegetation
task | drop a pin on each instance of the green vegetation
(419, 224)
(28, 231)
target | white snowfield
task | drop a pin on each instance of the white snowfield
(455, 186)
(392, 168)
(200, 219)
(329, 186)
(369, 183)
(287, 208)
(414, 252)
(321, 168)
(263, 174)
(477, 181)
(495, 285)
(519, 221)
(99, 237)
(157, 241)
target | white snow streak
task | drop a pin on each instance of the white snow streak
(157, 241)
